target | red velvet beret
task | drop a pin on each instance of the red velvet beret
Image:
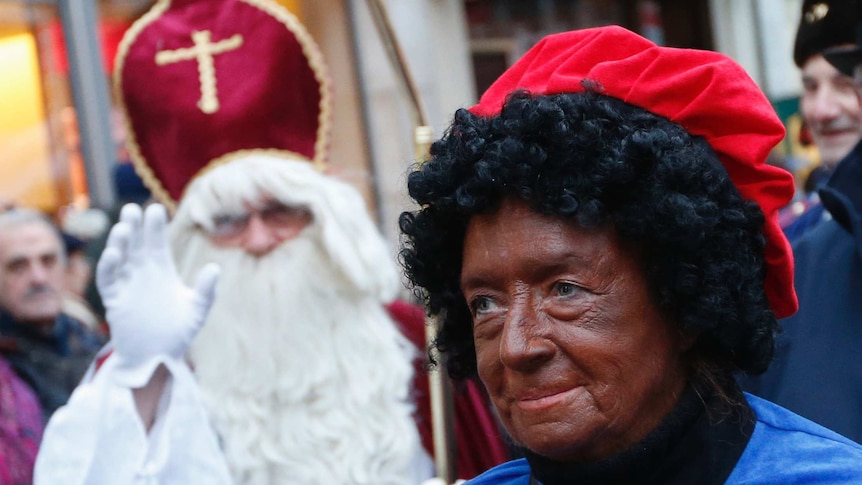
(203, 82)
(705, 92)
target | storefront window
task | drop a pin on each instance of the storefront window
(40, 146)
(33, 171)
(502, 30)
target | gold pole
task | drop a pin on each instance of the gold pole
(396, 59)
(442, 422)
(439, 388)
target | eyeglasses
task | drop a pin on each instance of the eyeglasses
(273, 215)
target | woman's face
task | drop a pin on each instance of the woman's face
(577, 358)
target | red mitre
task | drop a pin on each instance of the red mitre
(705, 92)
(201, 82)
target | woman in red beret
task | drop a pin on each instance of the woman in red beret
(599, 239)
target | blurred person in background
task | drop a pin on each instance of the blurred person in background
(21, 419)
(80, 230)
(828, 105)
(47, 348)
(77, 278)
(21, 425)
(819, 355)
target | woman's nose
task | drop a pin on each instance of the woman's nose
(524, 346)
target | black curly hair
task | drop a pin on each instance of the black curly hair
(596, 160)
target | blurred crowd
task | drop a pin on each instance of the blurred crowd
(49, 331)
(816, 365)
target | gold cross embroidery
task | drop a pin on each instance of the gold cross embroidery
(203, 50)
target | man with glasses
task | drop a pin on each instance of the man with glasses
(307, 369)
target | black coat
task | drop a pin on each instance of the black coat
(817, 370)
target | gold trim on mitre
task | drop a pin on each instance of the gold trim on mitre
(315, 60)
(318, 66)
(144, 171)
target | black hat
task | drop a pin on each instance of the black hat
(824, 24)
(846, 58)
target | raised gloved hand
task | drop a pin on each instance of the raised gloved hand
(152, 314)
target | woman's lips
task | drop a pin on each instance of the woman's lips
(537, 401)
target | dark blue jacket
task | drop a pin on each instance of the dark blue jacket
(817, 371)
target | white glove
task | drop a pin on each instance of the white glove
(152, 315)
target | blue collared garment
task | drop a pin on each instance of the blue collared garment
(783, 449)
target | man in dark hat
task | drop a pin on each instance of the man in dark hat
(828, 104)
(817, 366)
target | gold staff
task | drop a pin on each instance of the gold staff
(423, 134)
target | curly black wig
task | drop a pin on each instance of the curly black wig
(596, 160)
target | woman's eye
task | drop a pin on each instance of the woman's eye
(566, 289)
(481, 304)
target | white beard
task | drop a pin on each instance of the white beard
(306, 377)
(305, 383)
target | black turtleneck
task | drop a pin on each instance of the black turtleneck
(700, 442)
